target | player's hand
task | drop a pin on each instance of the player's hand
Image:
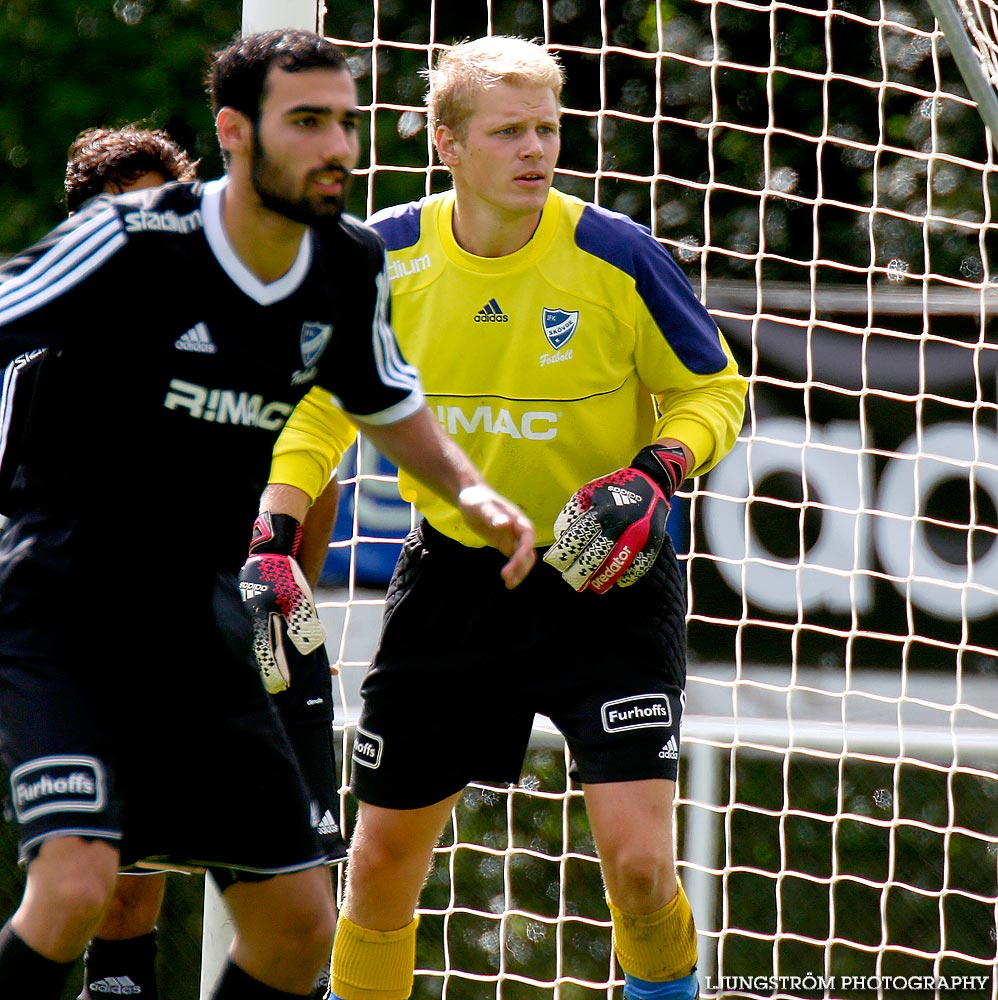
(612, 529)
(504, 526)
(278, 599)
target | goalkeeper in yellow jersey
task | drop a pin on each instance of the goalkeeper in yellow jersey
(564, 350)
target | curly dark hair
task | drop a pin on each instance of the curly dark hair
(109, 159)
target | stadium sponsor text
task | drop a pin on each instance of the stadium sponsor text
(163, 222)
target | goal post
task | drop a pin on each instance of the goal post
(821, 176)
(266, 15)
(973, 42)
(217, 929)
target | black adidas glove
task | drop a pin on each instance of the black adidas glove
(278, 598)
(612, 529)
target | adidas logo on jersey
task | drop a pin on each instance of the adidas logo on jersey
(116, 986)
(197, 339)
(327, 824)
(670, 751)
(623, 497)
(491, 313)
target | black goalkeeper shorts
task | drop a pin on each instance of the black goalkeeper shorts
(463, 665)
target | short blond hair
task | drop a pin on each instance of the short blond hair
(468, 69)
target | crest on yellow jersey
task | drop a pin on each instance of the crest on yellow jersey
(559, 325)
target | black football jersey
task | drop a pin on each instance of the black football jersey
(161, 369)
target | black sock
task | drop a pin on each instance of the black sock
(113, 965)
(26, 973)
(234, 984)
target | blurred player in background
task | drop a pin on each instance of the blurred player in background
(122, 953)
(177, 329)
(115, 160)
(561, 346)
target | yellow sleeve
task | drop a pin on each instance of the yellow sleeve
(312, 443)
(705, 413)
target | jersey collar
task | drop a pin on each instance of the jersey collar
(527, 255)
(265, 293)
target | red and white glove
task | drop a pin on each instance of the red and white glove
(612, 529)
(278, 598)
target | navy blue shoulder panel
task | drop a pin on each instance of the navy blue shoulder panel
(665, 290)
(399, 225)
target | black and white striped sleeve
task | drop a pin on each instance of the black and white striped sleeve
(36, 287)
(373, 381)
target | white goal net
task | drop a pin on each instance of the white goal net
(820, 171)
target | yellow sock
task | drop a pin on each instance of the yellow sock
(659, 946)
(373, 965)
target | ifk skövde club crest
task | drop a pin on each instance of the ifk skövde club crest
(314, 338)
(559, 325)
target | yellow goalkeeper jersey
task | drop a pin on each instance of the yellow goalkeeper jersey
(558, 363)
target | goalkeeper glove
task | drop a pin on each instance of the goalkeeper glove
(278, 599)
(612, 529)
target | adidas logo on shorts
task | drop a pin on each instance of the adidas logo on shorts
(328, 825)
(670, 751)
(116, 986)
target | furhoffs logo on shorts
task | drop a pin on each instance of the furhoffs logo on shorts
(57, 784)
(367, 749)
(636, 712)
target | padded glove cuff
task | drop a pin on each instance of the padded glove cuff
(280, 533)
(665, 465)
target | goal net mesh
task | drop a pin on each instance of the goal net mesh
(820, 172)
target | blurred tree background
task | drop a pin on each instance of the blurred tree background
(68, 65)
(824, 164)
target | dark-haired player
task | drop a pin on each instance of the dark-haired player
(122, 954)
(115, 160)
(182, 325)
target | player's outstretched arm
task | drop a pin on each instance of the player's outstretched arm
(418, 445)
(503, 525)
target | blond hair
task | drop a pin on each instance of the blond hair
(468, 69)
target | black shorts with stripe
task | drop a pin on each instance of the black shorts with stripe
(463, 665)
(136, 715)
(306, 710)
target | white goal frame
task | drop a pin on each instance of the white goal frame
(978, 63)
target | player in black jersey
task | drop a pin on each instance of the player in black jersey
(123, 951)
(180, 326)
